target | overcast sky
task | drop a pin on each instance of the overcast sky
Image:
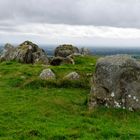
(81, 22)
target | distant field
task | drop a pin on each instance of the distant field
(32, 109)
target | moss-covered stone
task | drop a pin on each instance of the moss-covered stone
(27, 52)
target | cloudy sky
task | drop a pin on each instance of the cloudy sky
(80, 22)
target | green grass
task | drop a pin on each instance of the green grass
(32, 109)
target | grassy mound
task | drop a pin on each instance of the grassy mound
(32, 109)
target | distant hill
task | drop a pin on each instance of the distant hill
(102, 51)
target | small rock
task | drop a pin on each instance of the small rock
(47, 74)
(56, 61)
(72, 76)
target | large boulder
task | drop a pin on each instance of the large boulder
(116, 83)
(7, 52)
(26, 52)
(65, 50)
(47, 74)
(29, 52)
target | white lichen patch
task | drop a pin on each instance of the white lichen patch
(117, 104)
(134, 97)
(30, 47)
(123, 107)
(137, 100)
(129, 96)
(112, 94)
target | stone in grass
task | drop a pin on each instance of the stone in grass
(47, 74)
(116, 83)
(72, 76)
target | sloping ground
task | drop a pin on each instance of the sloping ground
(31, 109)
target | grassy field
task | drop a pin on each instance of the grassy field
(32, 109)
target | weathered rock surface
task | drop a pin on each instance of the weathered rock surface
(116, 83)
(65, 50)
(26, 52)
(84, 51)
(47, 74)
(72, 76)
(56, 61)
(7, 52)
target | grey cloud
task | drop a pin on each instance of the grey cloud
(8, 29)
(117, 13)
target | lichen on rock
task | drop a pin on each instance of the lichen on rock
(47, 74)
(27, 52)
(65, 50)
(116, 83)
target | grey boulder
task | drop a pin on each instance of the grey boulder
(27, 52)
(7, 53)
(47, 74)
(116, 83)
(65, 50)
